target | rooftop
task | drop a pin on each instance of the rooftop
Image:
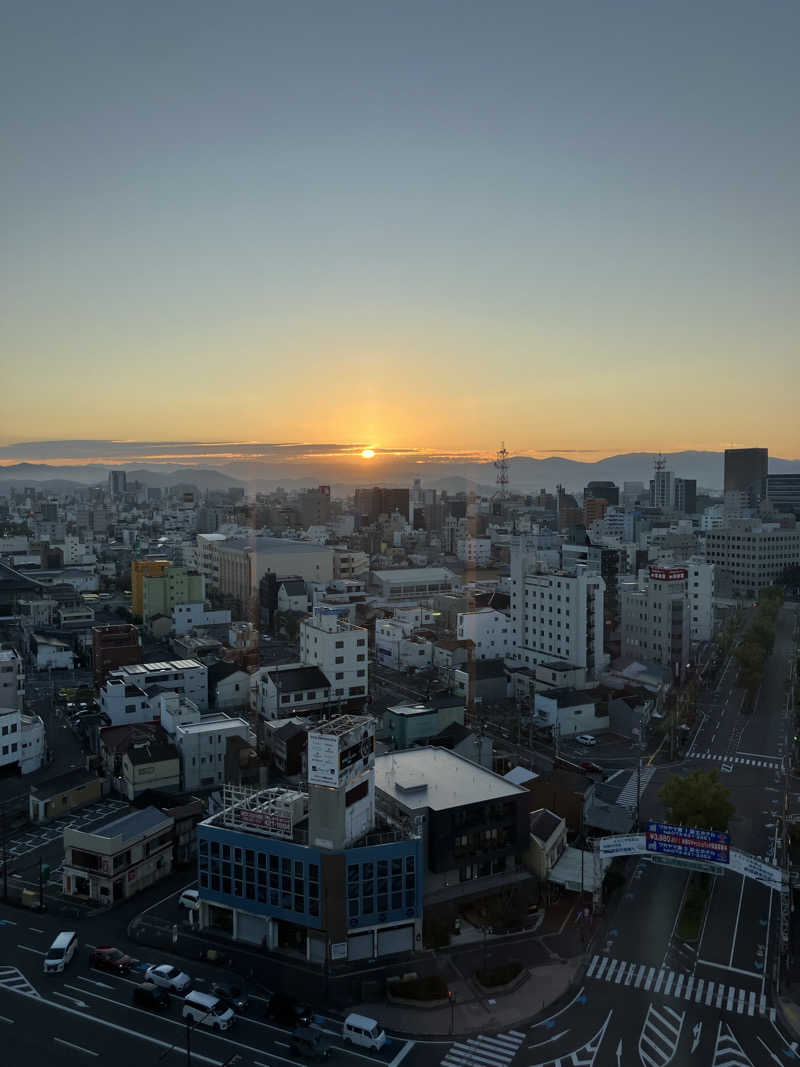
(133, 825)
(153, 668)
(402, 576)
(295, 679)
(262, 543)
(437, 778)
(544, 823)
(62, 783)
(209, 723)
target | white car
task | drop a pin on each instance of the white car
(168, 977)
(189, 898)
(586, 739)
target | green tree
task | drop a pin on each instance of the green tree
(697, 799)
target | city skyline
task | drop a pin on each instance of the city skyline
(426, 225)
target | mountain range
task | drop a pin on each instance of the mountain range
(343, 474)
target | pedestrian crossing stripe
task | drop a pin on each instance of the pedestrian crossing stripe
(769, 765)
(669, 983)
(497, 1050)
(636, 785)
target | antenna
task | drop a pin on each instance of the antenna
(501, 466)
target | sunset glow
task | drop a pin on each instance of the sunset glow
(368, 454)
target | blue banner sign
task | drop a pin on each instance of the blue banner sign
(710, 845)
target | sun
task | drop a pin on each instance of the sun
(368, 453)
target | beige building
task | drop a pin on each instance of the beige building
(150, 765)
(69, 791)
(119, 859)
(162, 593)
(243, 562)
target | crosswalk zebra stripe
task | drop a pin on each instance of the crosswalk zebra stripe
(689, 987)
(650, 976)
(699, 994)
(709, 993)
(611, 969)
(679, 985)
(720, 995)
(592, 966)
(516, 1033)
(487, 1055)
(639, 976)
(603, 966)
(471, 1054)
(621, 972)
(504, 1043)
(670, 980)
(751, 1003)
(670, 983)
(659, 982)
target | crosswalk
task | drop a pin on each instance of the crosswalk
(627, 798)
(767, 764)
(660, 1035)
(13, 979)
(668, 983)
(481, 1051)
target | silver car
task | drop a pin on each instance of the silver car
(165, 976)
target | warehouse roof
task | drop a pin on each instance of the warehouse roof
(439, 779)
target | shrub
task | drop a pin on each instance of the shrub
(500, 975)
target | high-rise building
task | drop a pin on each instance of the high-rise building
(686, 495)
(376, 501)
(662, 488)
(607, 491)
(117, 483)
(752, 554)
(744, 466)
(141, 569)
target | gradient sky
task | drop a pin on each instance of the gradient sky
(566, 225)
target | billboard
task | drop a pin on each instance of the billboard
(621, 845)
(668, 574)
(323, 759)
(274, 822)
(713, 846)
(769, 875)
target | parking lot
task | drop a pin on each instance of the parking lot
(38, 837)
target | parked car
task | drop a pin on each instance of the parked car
(60, 952)
(586, 739)
(168, 977)
(287, 1011)
(150, 996)
(232, 991)
(107, 958)
(189, 898)
(309, 1043)
(208, 1011)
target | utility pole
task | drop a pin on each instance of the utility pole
(638, 790)
(188, 1041)
(5, 853)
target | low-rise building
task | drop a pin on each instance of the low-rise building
(51, 653)
(293, 689)
(572, 711)
(414, 724)
(473, 822)
(414, 584)
(202, 745)
(121, 858)
(547, 843)
(149, 765)
(489, 631)
(228, 687)
(125, 695)
(62, 794)
(117, 645)
(12, 678)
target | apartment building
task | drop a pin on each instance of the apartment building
(656, 619)
(339, 649)
(243, 562)
(701, 587)
(141, 569)
(116, 645)
(753, 554)
(126, 695)
(490, 632)
(163, 592)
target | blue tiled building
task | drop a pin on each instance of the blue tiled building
(271, 875)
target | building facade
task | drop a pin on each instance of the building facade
(656, 619)
(744, 467)
(752, 555)
(339, 649)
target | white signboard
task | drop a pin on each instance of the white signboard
(771, 877)
(622, 845)
(323, 759)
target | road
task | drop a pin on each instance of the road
(84, 1014)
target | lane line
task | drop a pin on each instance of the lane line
(78, 1048)
(29, 949)
(736, 924)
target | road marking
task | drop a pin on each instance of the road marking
(649, 981)
(733, 970)
(699, 994)
(3, 1019)
(35, 930)
(603, 966)
(592, 966)
(29, 949)
(736, 924)
(679, 985)
(751, 1004)
(659, 982)
(78, 1048)
(709, 993)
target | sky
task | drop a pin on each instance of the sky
(570, 226)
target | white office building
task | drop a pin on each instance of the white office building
(489, 631)
(753, 554)
(474, 551)
(700, 589)
(556, 615)
(339, 649)
(202, 745)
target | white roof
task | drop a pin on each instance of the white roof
(439, 779)
(520, 775)
(403, 576)
(573, 872)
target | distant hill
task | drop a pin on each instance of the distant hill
(525, 474)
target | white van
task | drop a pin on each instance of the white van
(60, 952)
(363, 1031)
(208, 1010)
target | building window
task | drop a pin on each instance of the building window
(339, 659)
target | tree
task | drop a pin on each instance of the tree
(697, 799)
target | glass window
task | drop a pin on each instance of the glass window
(367, 870)
(299, 904)
(409, 863)
(273, 881)
(397, 900)
(273, 863)
(249, 857)
(313, 907)
(286, 865)
(313, 872)
(202, 845)
(383, 902)
(261, 858)
(352, 872)
(397, 865)
(226, 852)
(410, 900)
(383, 867)
(298, 869)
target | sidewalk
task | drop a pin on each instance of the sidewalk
(473, 1012)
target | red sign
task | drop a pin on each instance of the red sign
(273, 822)
(672, 574)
